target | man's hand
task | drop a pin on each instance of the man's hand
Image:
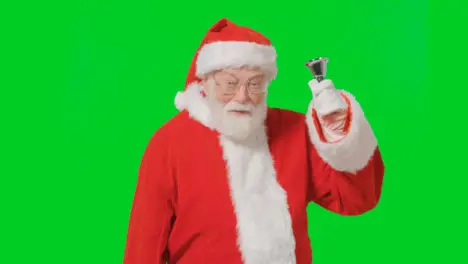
(327, 99)
(331, 109)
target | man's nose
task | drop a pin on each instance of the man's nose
(242, 95)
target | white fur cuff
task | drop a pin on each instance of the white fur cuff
(353, 152)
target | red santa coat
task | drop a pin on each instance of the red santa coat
(202, 198)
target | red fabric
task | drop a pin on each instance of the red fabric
(224, 30)
(183, 212)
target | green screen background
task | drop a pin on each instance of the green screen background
(85, 84)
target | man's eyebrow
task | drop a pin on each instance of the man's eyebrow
(255, 76)
(249, 79)
(232, 75)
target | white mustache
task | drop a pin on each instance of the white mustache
(239, 107)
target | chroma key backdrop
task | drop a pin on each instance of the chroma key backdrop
(84, 85)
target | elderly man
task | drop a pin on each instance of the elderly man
(228, 179)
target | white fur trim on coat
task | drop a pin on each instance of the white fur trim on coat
(233, 54)
(353, 152)
(264, 224)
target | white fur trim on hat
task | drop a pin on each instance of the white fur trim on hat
(354, 151)
(233, 54)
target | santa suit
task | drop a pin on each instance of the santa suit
(204, 198)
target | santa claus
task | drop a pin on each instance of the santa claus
(228, 179)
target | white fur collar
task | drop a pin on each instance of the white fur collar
(196, 105)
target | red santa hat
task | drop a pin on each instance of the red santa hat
(227, 45)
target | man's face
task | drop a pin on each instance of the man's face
(244, 86)
(237, 98)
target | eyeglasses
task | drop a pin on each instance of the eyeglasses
(230, 87)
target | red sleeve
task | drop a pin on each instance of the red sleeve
(152, 210)
(345, 176)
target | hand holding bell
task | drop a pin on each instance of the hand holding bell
(327, 100)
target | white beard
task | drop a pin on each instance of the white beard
(237, 127)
